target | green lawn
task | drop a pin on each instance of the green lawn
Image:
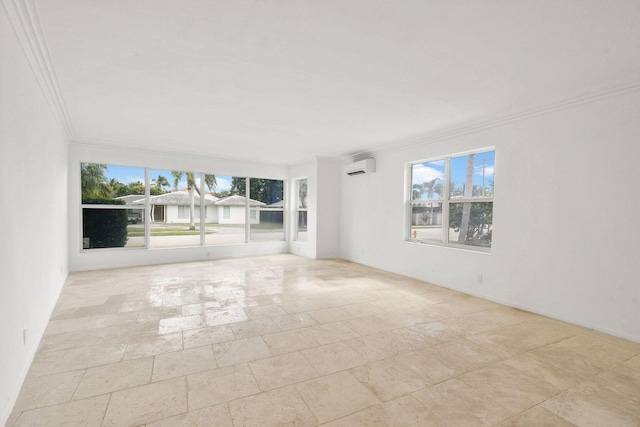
(137, 230)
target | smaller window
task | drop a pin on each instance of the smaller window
(451, 200)
(301, 210)
(226, 212)
(253, 214)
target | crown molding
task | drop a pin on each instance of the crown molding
(134, 148)
(25, 21)
(500, 120)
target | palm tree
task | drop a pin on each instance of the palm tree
(94, 184)
(160, 183)
(210, 181)
(466, 206)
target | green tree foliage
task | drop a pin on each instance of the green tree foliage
(480, 222)
(263, 190)
(94, 184)
(159, 185)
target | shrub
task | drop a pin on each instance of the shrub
(104, 228)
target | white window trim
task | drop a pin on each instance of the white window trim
(446, 201)
(298, 209)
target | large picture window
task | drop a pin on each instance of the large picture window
(185, 208)
(451, 200)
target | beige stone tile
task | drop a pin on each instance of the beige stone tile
(254, 328)
(44, 362)
(330, 333)
(207, 336)
(590, 403)
(224, 317)
(282, 370)
(301, 305)
(412, 340)
(530, 334)
(147, 403)
(334, 396)
(157, 313)
(240, 351)
(604, 350)
(263, 311)
(294, 321)
(175, 324)
(47, 390)
(220, 385)
(71, 340)
(13, 417)
(633, 363)
(330, 315)
(63, 313)
(150, 346)
(361, 309)
(183, 362)
(331, 358)
(114, 377)
(275, 408)
(624, 383)
(86, 413)
(404, 411)
(217, 416)
(200, 308)
(535, 368)
(369, 325)
(536, 416)
(378, 346)
(574, 366)
(405, 318)
(89, 322)
(288, 341)
(507, 387)
(458, 404)
(438, 331)
(468, 355)
(429, 365)
(389, 379)
(87, 357)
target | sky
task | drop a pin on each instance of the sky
(127, 175)
(427, 171)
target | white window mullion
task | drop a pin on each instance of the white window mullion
(445, 201)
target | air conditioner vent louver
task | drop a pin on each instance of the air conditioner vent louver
(363, 166)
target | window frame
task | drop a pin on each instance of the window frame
(105, 206)
(298, 209)
(446, 201)
(200, 215)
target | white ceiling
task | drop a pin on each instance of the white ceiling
(283, 81)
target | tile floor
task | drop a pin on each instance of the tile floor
(283, 340)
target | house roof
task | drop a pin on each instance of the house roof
(176, 198)
(130, 199)
(278, 204)
(238, 201)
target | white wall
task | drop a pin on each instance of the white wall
(328, 208)
(566, 216)
(109, 258)
(323, 208)
(33, 214)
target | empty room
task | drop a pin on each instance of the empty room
(267, 213)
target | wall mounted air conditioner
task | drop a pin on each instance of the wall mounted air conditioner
(363, 166)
